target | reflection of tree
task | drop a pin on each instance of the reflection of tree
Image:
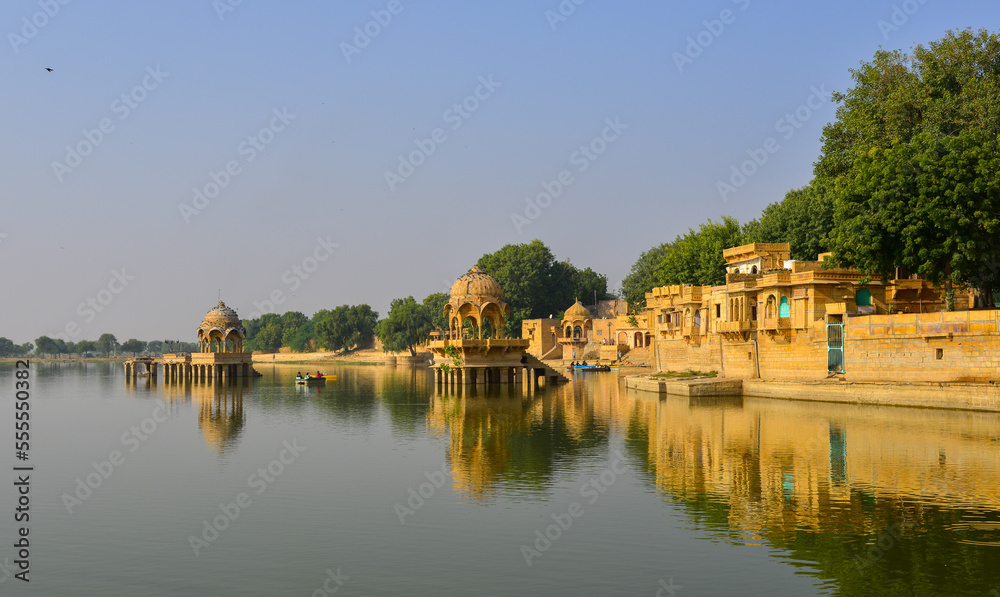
(501, 438)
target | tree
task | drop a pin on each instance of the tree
(643, 277)
(345, 327)
(153, 346)
(535, 284)
(931, 205)
(269, 338)
(85, 346)
(804, 219)
(107, 343)
(7, 347)
(696, 257)
(50, 346)
(134, 346)
(949, 86)
(434, 303)
(408, 324)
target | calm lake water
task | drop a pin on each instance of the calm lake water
(381, 484)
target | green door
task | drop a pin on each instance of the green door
(835, 348)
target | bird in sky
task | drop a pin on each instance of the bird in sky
(48, 69)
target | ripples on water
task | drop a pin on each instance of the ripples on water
(717, 496)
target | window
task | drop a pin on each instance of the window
(939, 354)
(863, 298)
(718, 311)
(783, 307)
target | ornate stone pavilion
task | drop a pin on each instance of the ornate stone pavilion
(576, 327)
(480, 352)
(221, 356)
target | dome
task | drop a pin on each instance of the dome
(222, 317)
(477, 283)
(577, 311)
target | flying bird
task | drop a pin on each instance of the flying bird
(48, 69)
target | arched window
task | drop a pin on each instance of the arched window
(783, 307)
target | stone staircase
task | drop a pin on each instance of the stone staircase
(550, 372)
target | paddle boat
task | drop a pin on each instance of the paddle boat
(319, 378)
(584, 368)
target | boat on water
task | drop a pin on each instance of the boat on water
(314, 379)
(584, 368)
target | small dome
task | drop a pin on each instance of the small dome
(477, 283)
(577, 311)
(222, 316)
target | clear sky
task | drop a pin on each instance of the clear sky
(119, 214)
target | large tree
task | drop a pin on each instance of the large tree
(346, 327)
(408, 325)
(51, 346)
(696, 257)
(948, 86)
(643, 278)
(107, 343)
(434, 303)
(134, 346)
(536, 285)
(931, 204)
(804, 219)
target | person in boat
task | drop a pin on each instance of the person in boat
(299, 374)
(583, 364)
(318, 374)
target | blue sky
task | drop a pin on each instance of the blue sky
(313, 219)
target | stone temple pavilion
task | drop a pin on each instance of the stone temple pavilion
(480, 351)
(220, 356)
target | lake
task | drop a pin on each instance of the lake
(381, 483)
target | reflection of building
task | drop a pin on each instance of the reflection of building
(221, 417)
(221, 355)
(475, 350)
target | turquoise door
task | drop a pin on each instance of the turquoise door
(783, 307)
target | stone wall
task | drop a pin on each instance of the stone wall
(962, 346)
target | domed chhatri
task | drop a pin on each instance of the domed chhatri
(477, 297)
(475, 349)
(221, 331)
(576, 324)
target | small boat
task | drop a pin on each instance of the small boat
(583, 368)
(314, 379)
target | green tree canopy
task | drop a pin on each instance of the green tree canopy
(536, 285)
(268, 338)
(644, 276)
(804, 219)
(950, 85)
(133, 346)
(52, 346)
(107, 343)
(408, 324)
(931, 205)
(696, 257)
(346, 327)
(434, 303)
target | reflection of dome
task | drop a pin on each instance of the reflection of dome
(577, 311)
(477, 284)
